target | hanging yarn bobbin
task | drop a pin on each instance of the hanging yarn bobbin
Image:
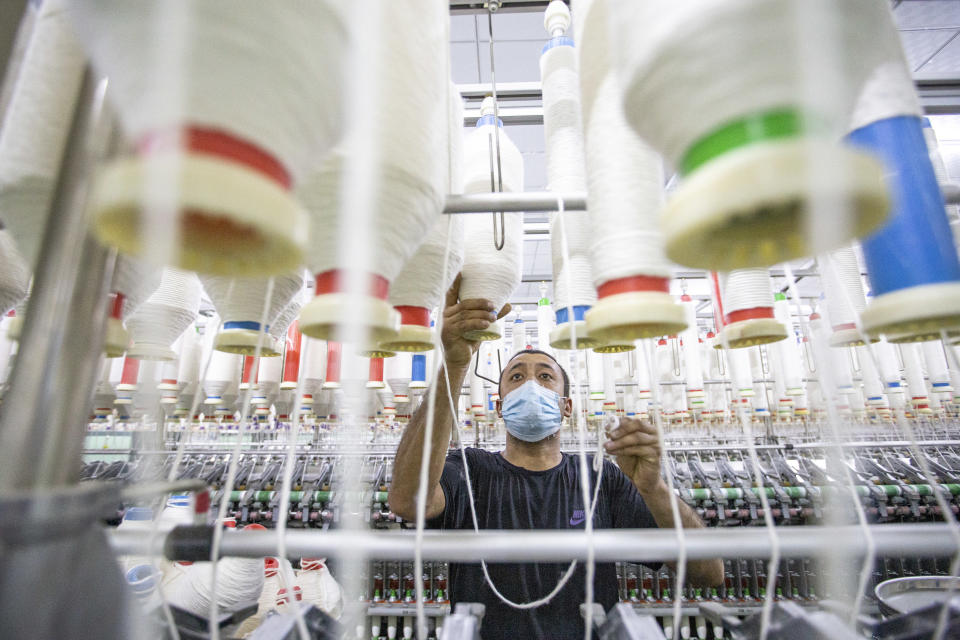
(418, 289)
(911, 262)
(746, 304)
(720, 89)
(409, 179)
(630, 271)
(133, 283)
(159, 321)
(240, 302)
(256, 107)
(570, 230)
(843, 289)
(489, 273)
(291, 357)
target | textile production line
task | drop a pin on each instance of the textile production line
(227, 237)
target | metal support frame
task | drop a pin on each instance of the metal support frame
(639, 545)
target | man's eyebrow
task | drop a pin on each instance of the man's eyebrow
(547, 365)
(515, 365)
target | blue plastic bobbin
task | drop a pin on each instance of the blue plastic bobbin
(911, 261)
(418, 371)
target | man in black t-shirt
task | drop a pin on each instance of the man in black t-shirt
(531, 484)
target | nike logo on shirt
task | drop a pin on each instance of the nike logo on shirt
(578, 518)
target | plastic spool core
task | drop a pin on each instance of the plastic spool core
(227, 188)
(751, 327)
(415, 334)
(635, 307)
(320, 317)
(745, 195)
(242, 338)
(561, 336)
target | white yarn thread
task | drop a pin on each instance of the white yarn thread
(691, 347)
(913, 370)
(136, 280)
(268, 74)
(241, 299)
(487, 273)
(625, 176)
(165, 315)
(843, 287)
(676, 60)
(746, 289)
(887, 362)
(397, 370)
(223, 373)
(872, 384)
(36, 124)
(410, 175)
(936, 362)
(14, 273)
(313, 369)
(279, 326)
(188, 365)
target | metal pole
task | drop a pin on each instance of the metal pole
(523, 201)
(29, 430)
(639, 545)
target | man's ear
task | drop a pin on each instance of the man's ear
(566, 406)
(498, 405)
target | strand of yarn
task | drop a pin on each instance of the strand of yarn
(14, 274)
(843, 287)
(411, 171)
(676, 60)
(625, 176)
(167, 312)
(136, 280)
(487, 273)
(746, 289)
(241, 299)
(246, 76)
(36, 124)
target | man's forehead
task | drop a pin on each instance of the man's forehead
(533, 359)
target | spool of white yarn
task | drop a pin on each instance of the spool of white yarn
(223, 376)
(35, 126)
(319, 587)
(488, 273)
(239, 582)
(913, 373)
(273, 582)
(134, 282)
(625, 179)
(748, 309)
(889, 367)
(160, 320)
(609, 382)
(314, 367)
(215, 94)
(936, 365)
(478, 396)
(189, 362)
(398, 377)
(872, 384)
(843, 288)
(14, 273)
(239, 301)
(721, 89)
(408, 181)
(545, 321)
(281, 324)
(691, 349)
(788, 350)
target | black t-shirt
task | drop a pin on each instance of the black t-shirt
(510, 497)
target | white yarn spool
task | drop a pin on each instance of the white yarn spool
(232, 126)
(419, 289)
(14, 272)
(936, 366)
(691, 350)
(313, 371)
(889, 366)
(189, 361)
(273, 582)
(518, 338)
(642, 374)
(789, 355)
(408, 182)
(843, 288)
(697, 69)
(595, 375)
(872, 383)
(397, 374)
(625, 197)
(223, 376)
(487, 273)
(913, 373)
(609, 382)
(160, 320)
(748, 309)
(239, 301)
(319, 587)
(281, 324)
(740, 372)
(545, 321)
(239, 582)
(478, 396)
(134, 281)
(36, 124)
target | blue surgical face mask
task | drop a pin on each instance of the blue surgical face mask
(532, 412)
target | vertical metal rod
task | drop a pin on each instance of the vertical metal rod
(50, 334)
(496, 132)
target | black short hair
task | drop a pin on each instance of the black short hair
(566, 378)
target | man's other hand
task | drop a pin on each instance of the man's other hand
(636, 447)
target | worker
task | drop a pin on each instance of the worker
(531, 484)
